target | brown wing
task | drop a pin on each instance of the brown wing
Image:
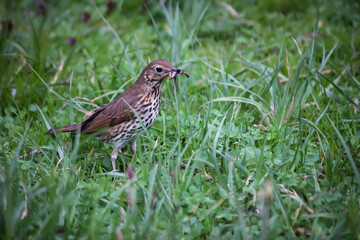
(113, 113)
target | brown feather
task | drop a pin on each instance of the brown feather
(68, 128)
(113, 113)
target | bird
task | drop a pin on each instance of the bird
(120, 121)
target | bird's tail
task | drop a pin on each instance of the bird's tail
(68, 128)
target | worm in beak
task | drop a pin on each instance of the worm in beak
(173, 73)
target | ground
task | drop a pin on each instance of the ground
(262, 141)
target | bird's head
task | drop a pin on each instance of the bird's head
(157, 70)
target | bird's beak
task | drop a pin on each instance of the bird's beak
(175, 71)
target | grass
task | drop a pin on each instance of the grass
(262, 141)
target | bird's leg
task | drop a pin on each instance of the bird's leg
(114, 156)
(133, 146)
(132, 149)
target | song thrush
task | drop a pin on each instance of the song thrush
(120, 121)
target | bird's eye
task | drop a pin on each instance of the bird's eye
(158, 69)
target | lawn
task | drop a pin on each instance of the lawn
(261, 142)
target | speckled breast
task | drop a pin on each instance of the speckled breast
(147, 110)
